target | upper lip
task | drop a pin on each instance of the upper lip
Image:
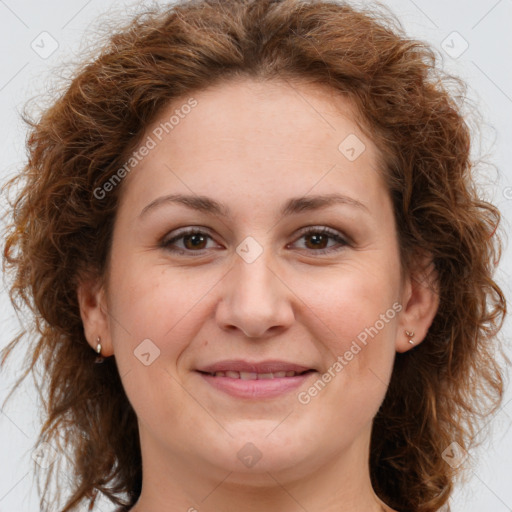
(238, 365)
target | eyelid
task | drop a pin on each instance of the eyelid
(321, 229)
(185, 231)
(182, 232)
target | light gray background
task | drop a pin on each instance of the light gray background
(486, 65)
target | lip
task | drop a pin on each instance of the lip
(239, 365)
(255, 388)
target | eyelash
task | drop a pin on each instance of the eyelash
(167, 244)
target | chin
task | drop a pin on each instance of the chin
(270, 450)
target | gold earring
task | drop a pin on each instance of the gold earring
(410, 334)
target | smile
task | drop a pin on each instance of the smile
(253, 385)
(256, 376)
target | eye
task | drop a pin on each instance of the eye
(194, 240)
(317, 239)
(191, 240)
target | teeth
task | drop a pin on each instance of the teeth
(254, 376)
(246, 375)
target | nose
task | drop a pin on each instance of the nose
(255, 300)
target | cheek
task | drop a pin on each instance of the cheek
(152, 324)
(158, 303)
(151, 300)
(355, 321)
(349, 298)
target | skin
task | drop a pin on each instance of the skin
(252, 146)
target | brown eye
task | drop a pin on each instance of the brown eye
(195, 241)
(188, 241)
(318, 239)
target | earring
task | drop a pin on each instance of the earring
(99, 359)
(410, 334)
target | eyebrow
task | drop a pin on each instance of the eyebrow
(294, 205)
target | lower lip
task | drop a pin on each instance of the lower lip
(264, 388)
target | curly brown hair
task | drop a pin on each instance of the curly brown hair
(60, 231)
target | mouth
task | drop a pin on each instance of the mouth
(267, 379)
(256, 376)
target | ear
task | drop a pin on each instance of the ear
(420, 300)
(94, 313)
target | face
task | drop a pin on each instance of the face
(254, 296)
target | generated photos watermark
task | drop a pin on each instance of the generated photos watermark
(152, 140)
(306, 396)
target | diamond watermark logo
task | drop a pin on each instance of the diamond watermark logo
(44, 455)
(351, 147)
(454, 45)
(249, 455)
(454, 455)
(249, 250)
(147, 352)
(45, 45)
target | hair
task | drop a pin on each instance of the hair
(60, 232)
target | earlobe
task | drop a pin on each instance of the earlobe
(421, 301)
(93, 311)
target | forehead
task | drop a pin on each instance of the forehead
(271, 112)
(248, 132)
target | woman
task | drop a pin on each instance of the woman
(260, 270)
